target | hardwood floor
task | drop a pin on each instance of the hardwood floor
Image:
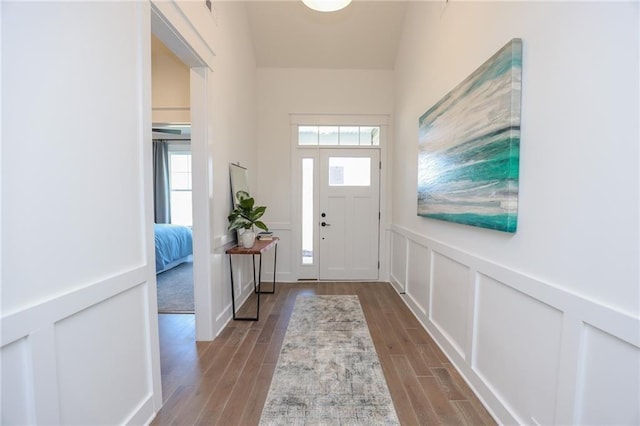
(225, 382)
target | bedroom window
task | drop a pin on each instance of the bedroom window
(180, 184)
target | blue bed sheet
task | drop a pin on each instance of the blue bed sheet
(173, 243)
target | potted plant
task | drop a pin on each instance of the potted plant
(245, 216)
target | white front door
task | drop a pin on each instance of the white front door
(349, 214)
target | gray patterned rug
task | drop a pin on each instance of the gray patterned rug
(328, 372)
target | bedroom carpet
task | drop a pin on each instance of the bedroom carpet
(328, 371)
(175, 290)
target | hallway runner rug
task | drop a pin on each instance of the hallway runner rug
(328, 372)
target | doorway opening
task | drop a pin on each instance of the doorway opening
(337, 201)
(172, 181)
(196, 112)
(196, 70)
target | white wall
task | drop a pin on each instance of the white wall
(543, 323)
(79, 324)
(285, 91)
(233, 125)
(76, 267)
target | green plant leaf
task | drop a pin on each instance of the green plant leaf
(246, 204)
(257, 213)
(245, 214)
(261, 225)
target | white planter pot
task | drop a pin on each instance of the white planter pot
(248, 238)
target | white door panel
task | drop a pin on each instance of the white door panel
(349, 201)
(334, 231)
(363, 222)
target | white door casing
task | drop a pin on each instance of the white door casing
(305, 260)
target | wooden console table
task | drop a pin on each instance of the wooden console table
(258, 248)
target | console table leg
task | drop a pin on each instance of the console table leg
(258, 248)
(275, 258)
(259, 281)
(233, 297)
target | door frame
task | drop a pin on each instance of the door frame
(164, 20)
(300, 271)
(164, 17)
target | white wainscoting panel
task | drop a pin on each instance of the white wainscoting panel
(608, 380)
(242, 275)
(398, 273)
(417, 287)
(92, 339)
(517, 357)
(220, 290)
(17, 387)
(533, 352)
(81, 358)
(449, 307)
(283, 267)
(283, 272)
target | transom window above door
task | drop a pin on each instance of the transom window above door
(338, 135)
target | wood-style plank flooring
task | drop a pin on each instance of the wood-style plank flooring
(225, 382)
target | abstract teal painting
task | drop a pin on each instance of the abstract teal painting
(469, 147)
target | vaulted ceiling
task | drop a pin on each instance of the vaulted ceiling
(364, 35)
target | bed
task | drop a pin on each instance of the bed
(174, 245)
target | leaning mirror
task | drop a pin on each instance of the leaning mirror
(239, 181)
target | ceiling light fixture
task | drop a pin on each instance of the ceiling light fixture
(326, 5)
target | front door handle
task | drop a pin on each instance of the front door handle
(325, 224)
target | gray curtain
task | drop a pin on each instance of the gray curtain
(161, 189)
